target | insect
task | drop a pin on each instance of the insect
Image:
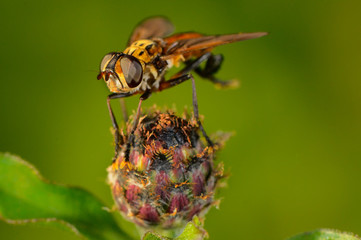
(141, 67)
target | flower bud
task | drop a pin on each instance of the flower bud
(164, 174)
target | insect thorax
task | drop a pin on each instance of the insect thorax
(144, 50)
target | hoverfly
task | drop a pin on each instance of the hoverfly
(141, 67)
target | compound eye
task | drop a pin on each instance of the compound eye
(132, 71)
(105, 61)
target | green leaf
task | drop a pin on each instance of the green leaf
(192, 231)
(325, 234)
(154, 236)
(25, 197)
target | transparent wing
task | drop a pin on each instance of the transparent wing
(151, 28)
(189, 42)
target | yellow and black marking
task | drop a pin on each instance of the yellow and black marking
(144, 50)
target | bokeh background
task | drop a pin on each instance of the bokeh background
(295, 160)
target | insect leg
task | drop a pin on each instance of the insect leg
(173, 82)
(183, 75)
(192, 65)
(114, 121)
(213, 64)
(130, 142)
(124, 109)
(143, 97)
(196, 113)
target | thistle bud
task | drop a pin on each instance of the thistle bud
(164, 174)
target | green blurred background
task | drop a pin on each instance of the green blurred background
(295, 160)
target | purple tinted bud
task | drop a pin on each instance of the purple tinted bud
(178, 203)
(132, 193)
(148, 213)
(169, 176)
